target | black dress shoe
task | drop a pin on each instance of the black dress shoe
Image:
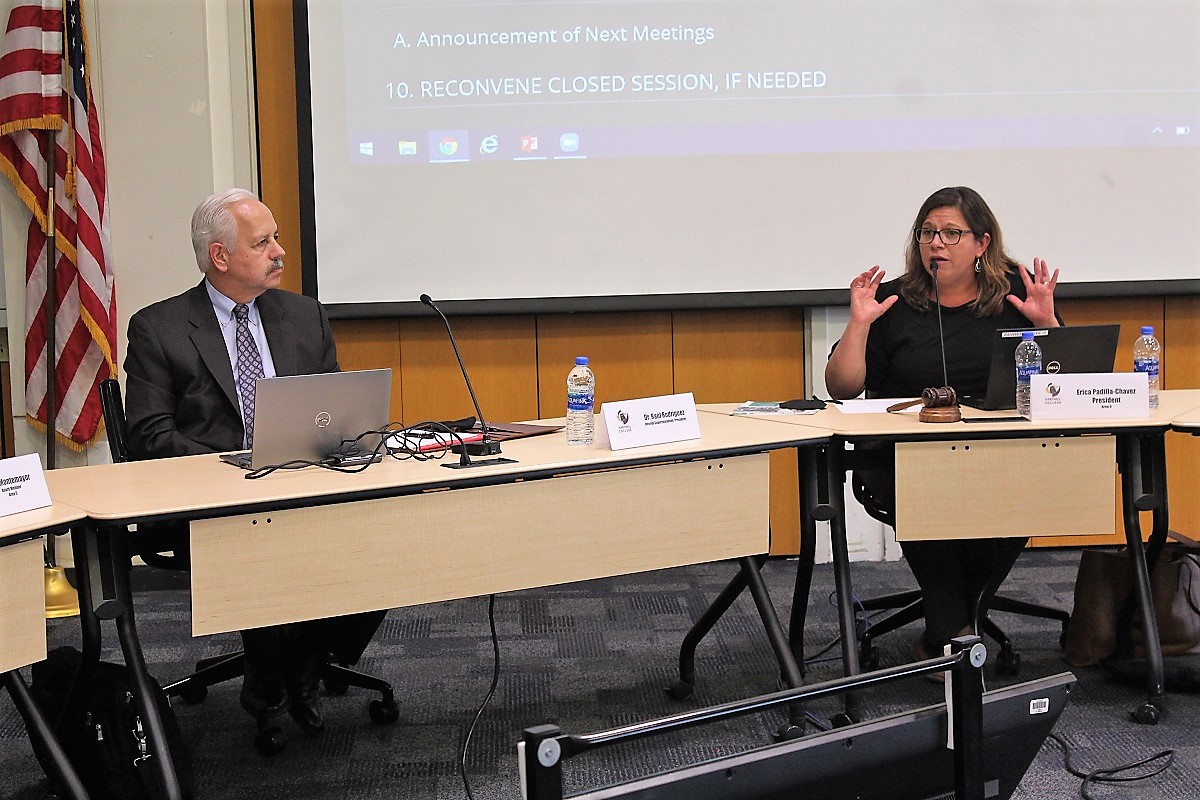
(305, 689)
(307, 713)
(263, 700)
(264, 693)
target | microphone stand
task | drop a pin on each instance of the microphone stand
(487, 447)
(941, 405)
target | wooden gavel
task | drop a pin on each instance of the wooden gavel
(941, 405)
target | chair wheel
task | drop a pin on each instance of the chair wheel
(1146, 714)
(841, 720)
(680, 690)
(269, 742)
(383, 712)
(1008, 662)
(193, 695)
(788, 731)
(335, 687)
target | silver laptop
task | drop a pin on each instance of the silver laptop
(317, 418)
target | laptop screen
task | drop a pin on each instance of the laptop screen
(308, 417)
(1066, 349)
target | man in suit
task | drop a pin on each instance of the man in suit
(190, 368)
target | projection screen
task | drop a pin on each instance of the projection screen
(529, 155)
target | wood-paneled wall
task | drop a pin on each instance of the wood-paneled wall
(519, 363)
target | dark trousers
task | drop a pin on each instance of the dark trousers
(341, 638)
(284, 661)
(958, 579)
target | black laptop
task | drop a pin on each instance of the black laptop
(1066, 349)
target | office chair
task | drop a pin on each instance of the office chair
(910, 607)
(167, 547)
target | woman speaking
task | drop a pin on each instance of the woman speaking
(892, 347)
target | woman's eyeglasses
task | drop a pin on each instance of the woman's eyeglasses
(949, 236)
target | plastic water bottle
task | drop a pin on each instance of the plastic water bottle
(1146, 353)
(581, 397)
(1029, 363)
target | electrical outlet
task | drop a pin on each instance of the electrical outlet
(3, 345)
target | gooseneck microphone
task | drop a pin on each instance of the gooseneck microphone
(487, 447)
(941, 404)
(937, 296)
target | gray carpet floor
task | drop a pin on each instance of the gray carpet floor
(591, 656)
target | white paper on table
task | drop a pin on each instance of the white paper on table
(877, 405)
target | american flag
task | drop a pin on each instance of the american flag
(45, 86)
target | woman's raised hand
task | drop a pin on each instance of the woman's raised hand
(1038, 305)
(864, 308)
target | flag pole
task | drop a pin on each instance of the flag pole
(51, 306)
(62, 600)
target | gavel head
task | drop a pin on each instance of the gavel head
(939, 397)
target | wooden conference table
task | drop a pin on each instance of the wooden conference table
(991, 476)
(408, 532)
(23, 621)
(1188, 422)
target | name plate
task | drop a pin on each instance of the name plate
(648, 420)
(22, 485)
(1089, 395)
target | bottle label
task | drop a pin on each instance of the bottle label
(1024, 372)
(580, 402)
(1147, 365)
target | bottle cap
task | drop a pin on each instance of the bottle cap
(1026, 336)
(581, 360)
(1147, 330)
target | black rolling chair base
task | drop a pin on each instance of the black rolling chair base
(909, 608)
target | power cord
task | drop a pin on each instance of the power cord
(816, 658)
(390, 439)
(462, 762)
(1111, 774)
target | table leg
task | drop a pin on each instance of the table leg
(1135, 451)
(83, 546)
(145, 693)
(41, 733)
(749, 576)
(809, 475)
(682, 689)
(823, 500)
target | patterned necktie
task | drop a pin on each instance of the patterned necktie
(249, 368)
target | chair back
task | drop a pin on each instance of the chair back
(166, 547)
(114, 419)
(871, 504)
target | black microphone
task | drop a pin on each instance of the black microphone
(941, 404)
(487, 447)
(937, 296)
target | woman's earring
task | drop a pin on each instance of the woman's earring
(978, 264)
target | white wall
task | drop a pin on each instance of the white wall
(867, 539)
(173, 82)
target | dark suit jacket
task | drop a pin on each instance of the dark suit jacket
(180, 397)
